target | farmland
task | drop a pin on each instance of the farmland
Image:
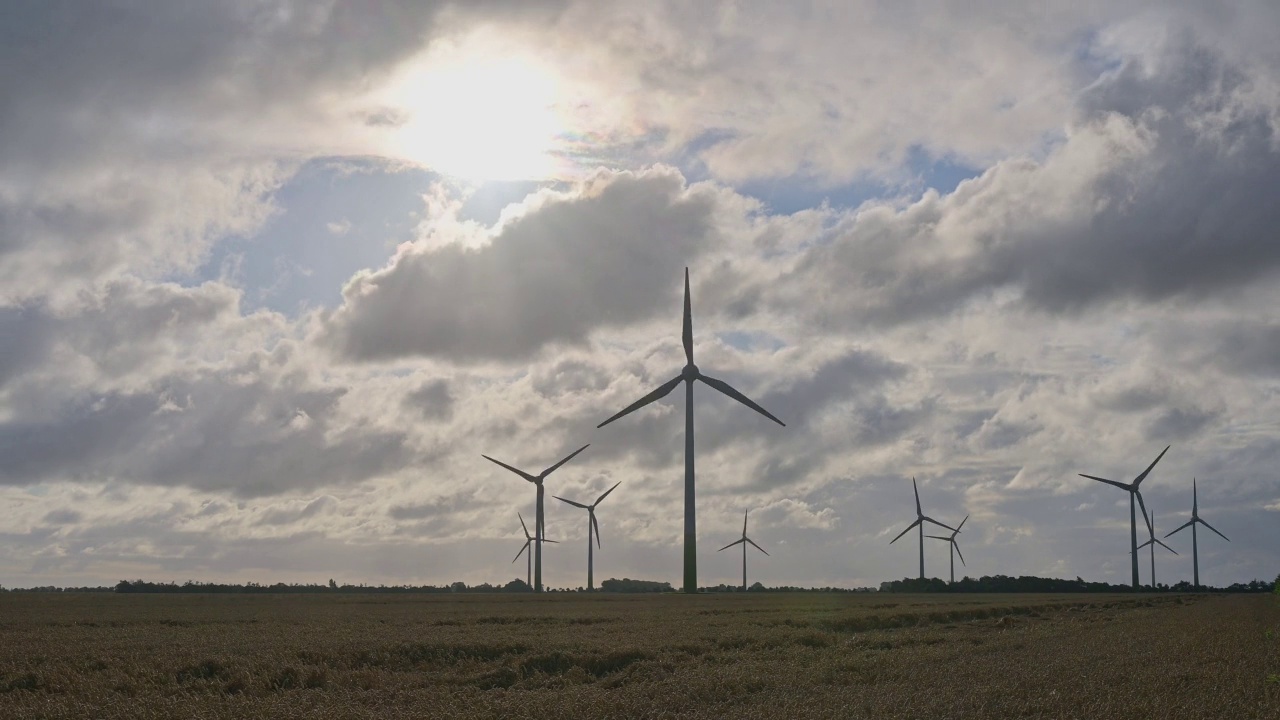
(576, 656)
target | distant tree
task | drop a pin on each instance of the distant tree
(332, 585)
(627, 585)
(458, 587)
(517, 585)
(756, 587)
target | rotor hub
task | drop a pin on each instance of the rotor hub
(690, 372)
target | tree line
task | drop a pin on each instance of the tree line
(985, 584)
(1033, 584)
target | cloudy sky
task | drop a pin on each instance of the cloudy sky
(274, 274)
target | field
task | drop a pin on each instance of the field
(670, 656)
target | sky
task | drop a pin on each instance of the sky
(274, 274)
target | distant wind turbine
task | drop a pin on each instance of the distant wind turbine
(539, 529)
(954, 546)
(1132, 489)
(1151, 525)
(689, 374)
(743, 541)
(1195, 518)
(591, 525)
(528, 560)
(921, 519)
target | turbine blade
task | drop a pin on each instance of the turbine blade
(1138, 480)
(517, 471)
(1149, 542)
(904, 532)
(1166, 547)
(596, 526)
(939, 537)
(522, 525)
(926, 518)
(1120, 485)
(956, 545)
(522, 549)
(1224, 537)
(916, 490)
(553, 542)
(739, 541)
(729, 390)
(962, 522)
(1183, 526)
(687, 334)
(744, 523)
(1150, 531)
(662, 391)
(575, 504)
(571, 456)
(754, 545)
(606, 494)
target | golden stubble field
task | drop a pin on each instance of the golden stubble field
(670, 656)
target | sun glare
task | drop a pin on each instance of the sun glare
(478, 116)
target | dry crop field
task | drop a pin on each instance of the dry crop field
(669, 656)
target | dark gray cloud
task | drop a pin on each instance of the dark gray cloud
(1162, 189)
(246, 438)
(573, 264)
(434, 400)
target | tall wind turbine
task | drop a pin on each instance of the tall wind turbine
(743, 541)
(528, 560)
(591, 525)
(955, 546)
(1132, 489)
(1195, 518)
(921, 519)
(539, 529)
(689, 374)
(1151, 524)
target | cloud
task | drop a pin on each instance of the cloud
(614, 240)
(124, 399)
(1103, 287)
(1159, 191)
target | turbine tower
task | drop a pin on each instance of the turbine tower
(591, 525)
(1195, 549)
(1151, 523)
(688, 375)
(743, 541)
(1132, 489)
(954, 546)
(528, 540)
(539, 528)
(921, 519)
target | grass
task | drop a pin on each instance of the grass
(573, 656)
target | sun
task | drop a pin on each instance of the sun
(477, 115)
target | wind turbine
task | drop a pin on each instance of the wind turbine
(1151, 524)
(743, 541)
(688, 375)
(591, 525)
(1133, 491)
(921, 519)
(528, 540)
(539, 529)
(954, 546)
(1195, 518)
